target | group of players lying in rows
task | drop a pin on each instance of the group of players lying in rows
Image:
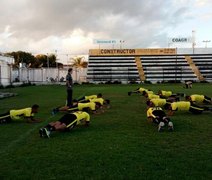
(171, 102)
(78, 113)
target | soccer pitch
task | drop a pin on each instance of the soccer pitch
(119, 144)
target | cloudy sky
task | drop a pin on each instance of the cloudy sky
(69, 26)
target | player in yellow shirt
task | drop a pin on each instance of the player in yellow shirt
(66, 122)
(100, 100)
(151, 96)
(164, 94)
(199, 99)
(186, 106)
(158, 116)
(88, 107)
(20, 114)
(163, 103)
(86, 98)
(103, 103)
(168, 94)
(138, 91)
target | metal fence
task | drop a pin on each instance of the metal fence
(46, 75)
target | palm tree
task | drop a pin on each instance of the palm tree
(78, 63)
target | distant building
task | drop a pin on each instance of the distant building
(5, 69)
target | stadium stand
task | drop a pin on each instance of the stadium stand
(181, 66)
(116, 68)
(204, 64)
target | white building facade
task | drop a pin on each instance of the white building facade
(6, 70)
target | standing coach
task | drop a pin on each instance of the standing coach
(69, 84)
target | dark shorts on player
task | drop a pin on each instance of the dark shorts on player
(5, 117)
(160, 114)
(207, 100)
(196, 109)
(73, 108)
(68, 119)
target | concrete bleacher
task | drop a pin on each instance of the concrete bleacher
(204, 64)
(186, 64)
(167, 68)
(102, 69)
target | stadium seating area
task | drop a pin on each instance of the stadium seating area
(204, 64)
(116, 68)
(155, 68)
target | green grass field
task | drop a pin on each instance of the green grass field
(119, 144)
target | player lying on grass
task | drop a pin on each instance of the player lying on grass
(167, 94)
(188, 84)
(199, 99)
(138, 91)
(86, 98)
(65, 123)
(104, 102)
(150, 95)
(163, 103)
(88, 107)
(19, 114)
(158, 116)
(186, 106)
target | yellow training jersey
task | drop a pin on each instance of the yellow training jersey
(90, 97)
(99, 100)
(141, 90)
(153, 96)
(81, 116)
(181, 106)
(158, 102)
(197, 98)
(149, 92)
(90, 105)
(149, 112)
(166, 93)
(20, 113)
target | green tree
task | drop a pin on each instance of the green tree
(22, 57)
(78, 62)
(46, 61)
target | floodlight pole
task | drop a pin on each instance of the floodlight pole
(67, 60)
(193, 40)
(206, 42)
(47, 67)
(56, 58)
(121, 43)
(57, 65)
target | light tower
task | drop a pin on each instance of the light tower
(206, 42)
(193, 40)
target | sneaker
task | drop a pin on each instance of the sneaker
(129, 93)
(161, 126)
(41, 132)
(54, 111)
(46, 132)
(3, 121)
(170, 126)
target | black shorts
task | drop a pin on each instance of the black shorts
(160, 114)
(196, 109)
(73, 108)
(207, 100)
(67, 119)
(5, 117)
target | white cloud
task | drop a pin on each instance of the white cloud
(70, 26)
